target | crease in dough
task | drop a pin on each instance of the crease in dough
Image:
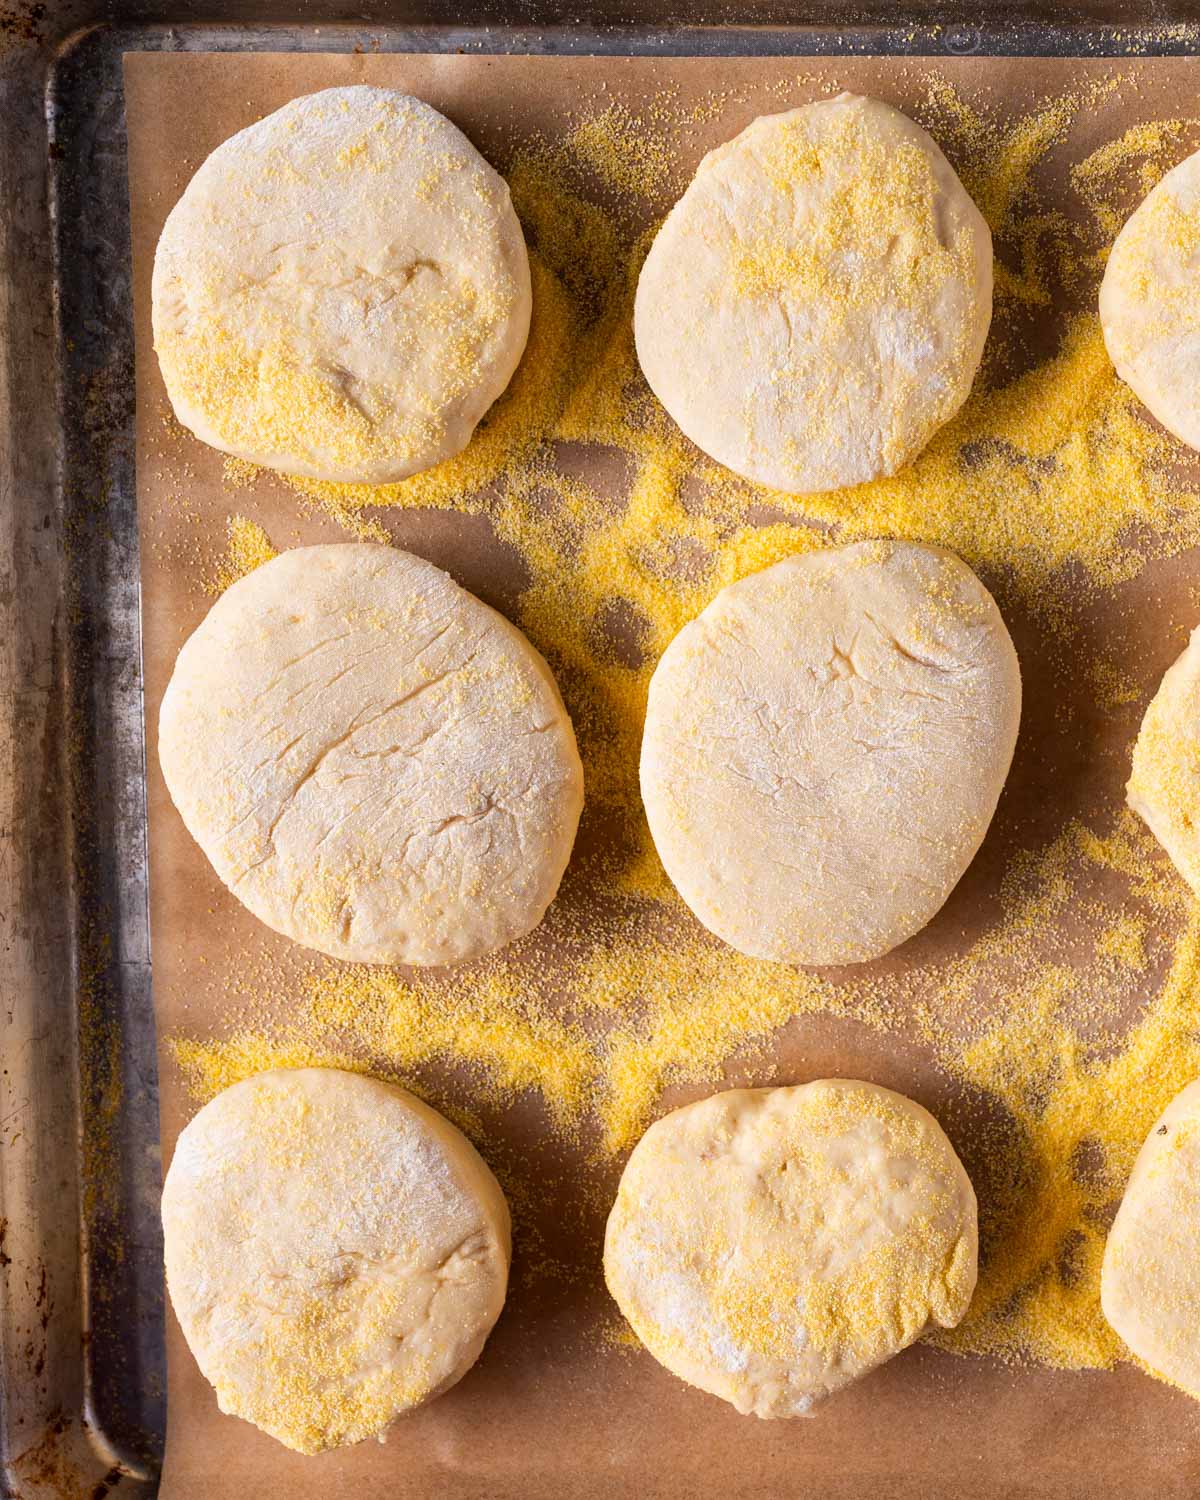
(824, 748)
(376, 763)
(342, 290)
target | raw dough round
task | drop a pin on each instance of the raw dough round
(1150, 302)
(1150, 1279)
(825, 745)
(342, 290)
(772, 1245)
(816, 304)
(1164, 788)
(336, 1251)
(376, 763)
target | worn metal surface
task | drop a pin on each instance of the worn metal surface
(81, 1295)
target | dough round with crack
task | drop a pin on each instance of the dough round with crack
(825, 745)
(342, 290)
(336, 1253)
(1150, 302)
(1164, 785)
(377, 764)
(772, 1245)
(1150, 1277)
(815, 306)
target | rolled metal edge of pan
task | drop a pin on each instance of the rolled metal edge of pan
(81, 1359)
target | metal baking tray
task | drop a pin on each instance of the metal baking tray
(82, 1377)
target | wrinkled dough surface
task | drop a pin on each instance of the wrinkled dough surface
(1150, 1279)
(824, 748)
(336, 1253)
(1150, 301)
(1164, 786)
(342, 290)
(772, 1245)
(376, 763)
(815, 306)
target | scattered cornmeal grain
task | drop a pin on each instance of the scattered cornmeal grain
(249, 547)
(622, 155)
(1066, 1016)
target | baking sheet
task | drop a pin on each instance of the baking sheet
(554, 1407)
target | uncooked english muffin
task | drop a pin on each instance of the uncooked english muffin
(815, 306)
(336, 1251)
(1164, 787)
(824, 748)
(377, 764)
(342, 290)
(772, 1245)
(1150, 1279)
(1150, 302)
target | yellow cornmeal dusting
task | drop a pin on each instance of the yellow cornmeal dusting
(884, 1302)
(268, 399)
(486, 1023)
(304, 1366)
(1113, 686)
(1049, 481)
(894, 191)
(773, 1245)
(249, 547)
(870, 186)
(1141, 153)
(618, 151)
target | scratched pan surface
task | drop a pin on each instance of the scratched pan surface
(82, 1409)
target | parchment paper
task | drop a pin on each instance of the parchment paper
(552, 1410)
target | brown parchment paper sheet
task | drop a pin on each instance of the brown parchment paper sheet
(552, 1409)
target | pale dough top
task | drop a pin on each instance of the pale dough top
(772, 1245)
(337, 1253)
(1164, 787)
(1150, 1279)
(377, 764)
(824, 748)
(342, 290)
(816, 304)
(1150, 301)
